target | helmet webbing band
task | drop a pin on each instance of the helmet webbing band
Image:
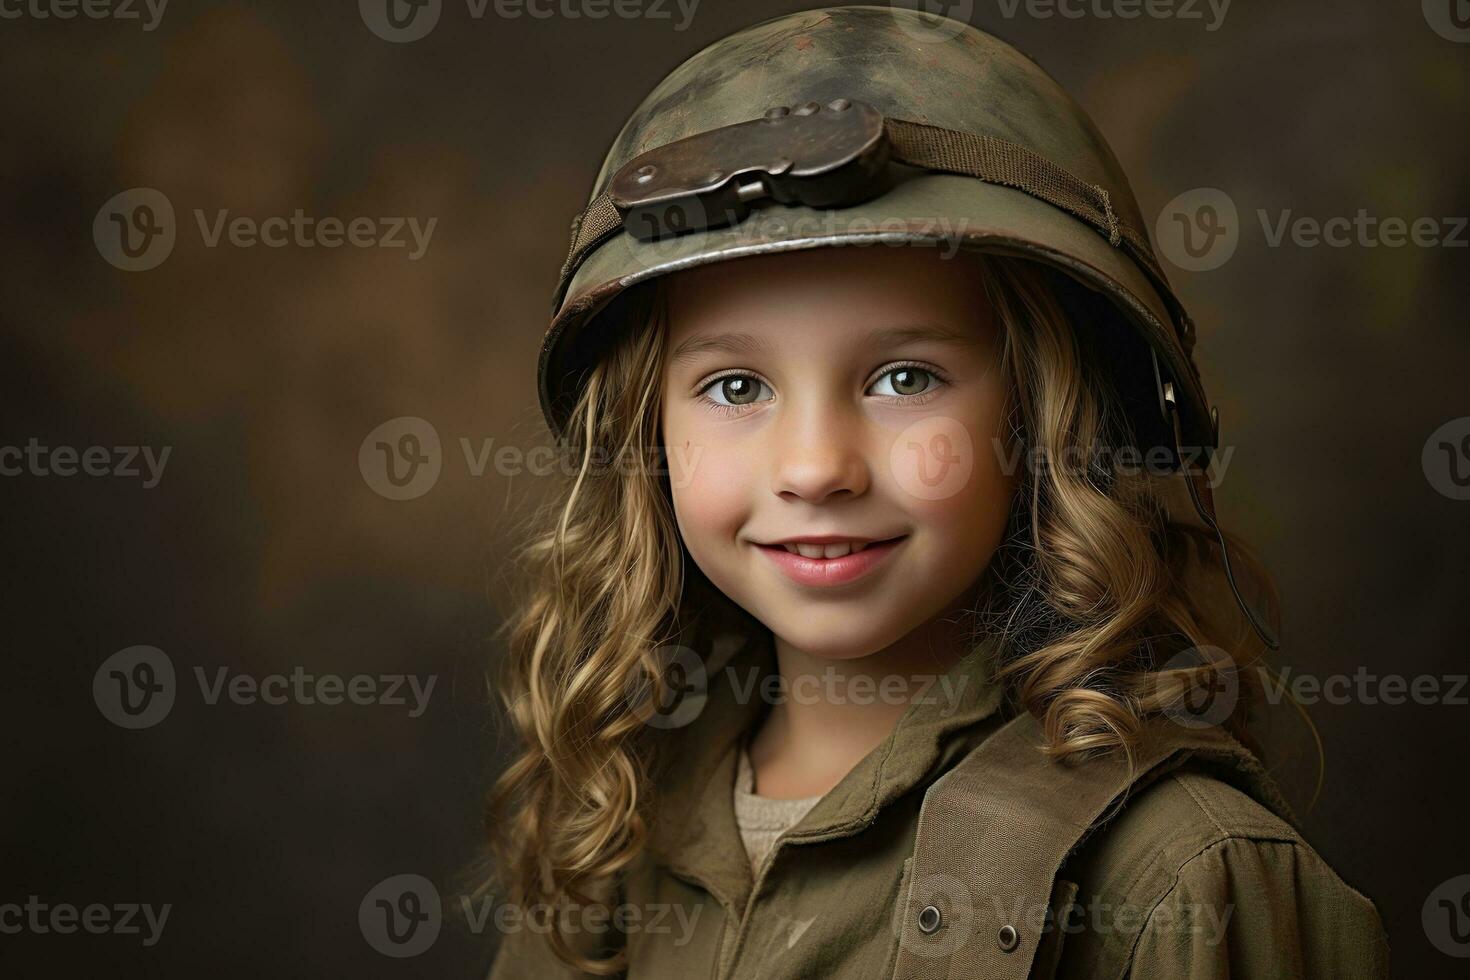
(916, 144)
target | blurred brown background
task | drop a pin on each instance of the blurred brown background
(264, 548)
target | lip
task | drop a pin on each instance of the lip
(824, 539)
(830, 572)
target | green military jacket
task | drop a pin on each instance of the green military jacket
(955, 850)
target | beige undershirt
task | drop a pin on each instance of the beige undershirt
(762, 819)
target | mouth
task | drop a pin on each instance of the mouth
(829, 560)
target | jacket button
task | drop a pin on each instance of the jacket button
(1008, 938)
(928, 919)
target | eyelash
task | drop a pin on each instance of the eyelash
(941, 380)
(939, 377)
(704, 386)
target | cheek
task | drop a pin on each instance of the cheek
(972, 522)
(958, 453)
(712, 488)
(955, 476)
(972, 518)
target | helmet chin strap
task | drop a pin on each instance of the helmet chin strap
(1203, 498)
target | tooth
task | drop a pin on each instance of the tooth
(791, 548)
(810, 550)
(837, 550)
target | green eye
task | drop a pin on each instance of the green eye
(904, 381)
(737, 389)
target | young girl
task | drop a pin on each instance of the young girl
(886, 630)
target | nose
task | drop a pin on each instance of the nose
(818, 454)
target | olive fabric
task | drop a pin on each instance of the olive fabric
(955, 849)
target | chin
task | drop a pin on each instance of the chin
(841, 631)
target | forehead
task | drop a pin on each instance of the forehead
(834, 286)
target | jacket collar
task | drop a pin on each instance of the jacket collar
(693, 831)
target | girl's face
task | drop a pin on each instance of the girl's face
(832, 418)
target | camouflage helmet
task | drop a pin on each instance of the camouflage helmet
(865, 125)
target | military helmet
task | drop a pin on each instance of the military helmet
(871, 125)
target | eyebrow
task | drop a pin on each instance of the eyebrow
(744, 343)
(936, 332)
(727, 343)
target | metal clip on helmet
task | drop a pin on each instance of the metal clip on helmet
(909, 128)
